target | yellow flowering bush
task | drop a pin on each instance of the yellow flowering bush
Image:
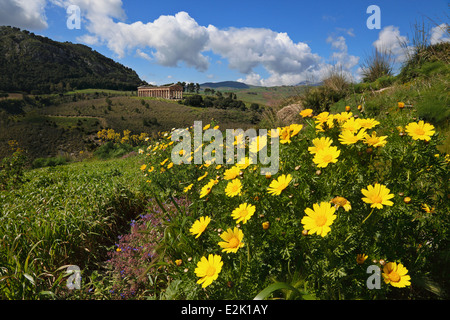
(336, 206)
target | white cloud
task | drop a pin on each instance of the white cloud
(340, 58)
(440, 33)
(143, 55)
(389, 40)
(25, 14)
(247, 48)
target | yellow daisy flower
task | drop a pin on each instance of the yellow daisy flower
(348, 137)
(189, 187)
(231, 173)
(322, 117)
(233, 188)
(207, 188)
(341, 202)
(246, 162)
(396, 275)
(320, 219)
(361, 258)
(320, 144)
(232, 240)
(201, 177)
(367, 123)
(258, 144)
(306, 113)
(208, 269)
(343, 116)
(427, 208)
(326, 156)
(295, 129)
(243, 213)
(375, 141)
(199, 226)
(420, 130)
(377, 195)
(351, 125)
(285, 135)
(277, 186)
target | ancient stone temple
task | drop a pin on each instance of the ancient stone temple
(174, 91)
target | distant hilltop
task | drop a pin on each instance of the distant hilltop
(35, 64)
(225, 84)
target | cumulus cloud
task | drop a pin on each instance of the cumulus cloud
(440, 33)
(391, 41)
(246, 49)
(340, 56)
(25, 14)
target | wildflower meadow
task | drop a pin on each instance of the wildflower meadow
(358, 209)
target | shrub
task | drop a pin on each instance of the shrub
(12, 167)
(378, 64)
(48, 162)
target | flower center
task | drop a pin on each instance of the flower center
(327, 158)
(376, 199)
(210, 271)
(234, 242)
(244, 213)
(321, 220)
(420, 131)
(394, 276)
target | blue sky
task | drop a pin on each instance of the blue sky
(258, 42)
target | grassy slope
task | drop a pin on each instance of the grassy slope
(428, 96)
(74, 212)
(266, 96)
(70, 127)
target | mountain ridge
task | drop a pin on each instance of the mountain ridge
(30, 62)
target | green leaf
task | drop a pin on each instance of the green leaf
(30, 278)
(274, 287)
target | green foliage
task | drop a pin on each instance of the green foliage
(311, 265)
(31, 63)
(66, 215)
(111, 150)
(12, 167)
(48, 162)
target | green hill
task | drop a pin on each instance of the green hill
(35, 64)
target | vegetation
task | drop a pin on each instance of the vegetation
(362, 183)
(34, 64)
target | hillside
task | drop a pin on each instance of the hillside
(35, 64)
(59, 125)
(225, 84)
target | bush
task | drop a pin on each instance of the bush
(378, 64)
(48, 162)
(111, 150)
(12, 167)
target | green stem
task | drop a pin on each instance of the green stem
(361, 223)
(367, 216)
